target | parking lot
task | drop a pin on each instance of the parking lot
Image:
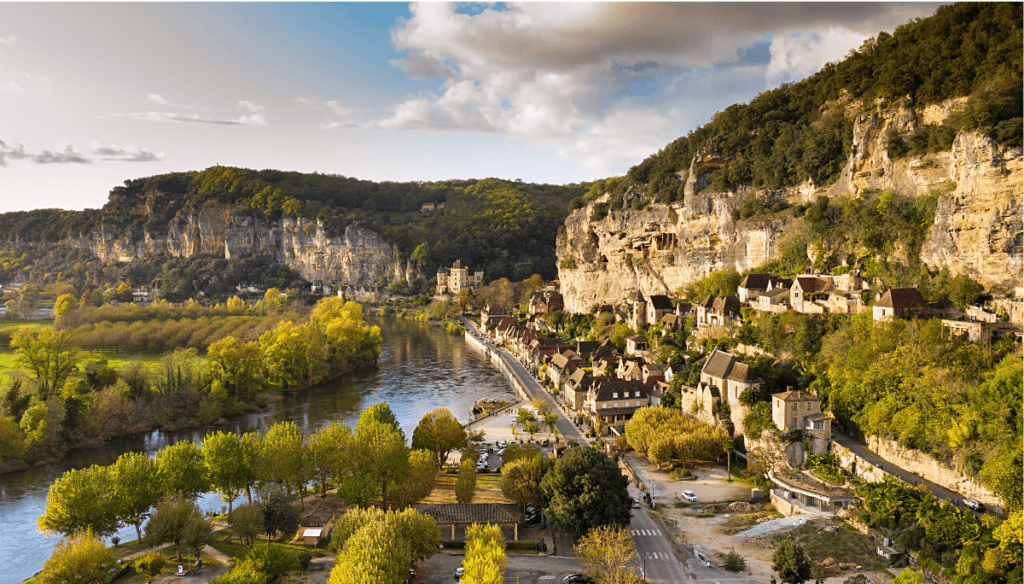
(524, 569)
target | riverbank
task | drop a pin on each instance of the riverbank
(421, 368)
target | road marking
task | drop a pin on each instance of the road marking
(546, 578)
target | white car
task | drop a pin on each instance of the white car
(690, 496)
(501, 444)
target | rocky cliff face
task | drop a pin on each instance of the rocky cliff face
(359, 257)
(656, 250)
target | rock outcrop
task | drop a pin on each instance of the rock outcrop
(358, 257)
(657, 250)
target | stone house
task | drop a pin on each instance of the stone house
(899, 303)
(657, 307)
(611, 402)
(630, 368)
(805, 289)
(799, 410)
(491, 315)
(636, 344)
(717, 311)
(731, 378)
(576, 388)
(753, 285)
(638, 313)
(545, 301)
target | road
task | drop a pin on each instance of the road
(566, 428)
(656, 561)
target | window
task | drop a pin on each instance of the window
(604, 406)
(615, 395)
(819, 425)
(638, 394)
(615, 405)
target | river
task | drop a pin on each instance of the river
(421, 368)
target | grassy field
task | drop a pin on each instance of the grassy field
(32, 324)
(847, 545)
(488, 490)
(115, 360)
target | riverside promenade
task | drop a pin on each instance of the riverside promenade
(525, 384)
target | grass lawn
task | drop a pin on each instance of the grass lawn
(847, 545)
(488, 490)
(30, 324)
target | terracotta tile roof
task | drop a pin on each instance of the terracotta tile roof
(469, 513)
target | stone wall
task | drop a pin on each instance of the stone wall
(928, 468)
(857, 465)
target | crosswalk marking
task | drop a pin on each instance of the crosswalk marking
(649, 532)
(546, 578)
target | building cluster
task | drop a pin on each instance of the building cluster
(457, 278)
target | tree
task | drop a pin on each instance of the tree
(550, 420)
(791, 563)
(247, 571)
(328, 455)
(531, 428)
(80, 500)
(728, 446)
(150, 565)
(246, 522)
(180, 469)
(521, 478)
(279, 515)
(383, 454)
(64, 305)
(439, 432)
(485, 555)
(465, 485)
(135, 488)
(49, 354)
(584, 489)
(541, 406)
(81, 558)
(226, 465)
(420, 481)
(374, 554)
(274, 561)
(283, 460)
(237, 365)
(604, 552)
(380, 413)
(419, 531)
(171, 520)
(516, 451)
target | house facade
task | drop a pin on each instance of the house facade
(456, 278)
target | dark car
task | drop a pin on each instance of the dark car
(578, 579)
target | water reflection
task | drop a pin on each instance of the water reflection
(421, 368)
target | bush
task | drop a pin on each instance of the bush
(734, 562)
(273, 560)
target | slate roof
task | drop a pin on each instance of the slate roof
(756, 281)
(719, 364)
(709, 301)
(469, 513)
(776, 292)
(603, 390)
(580, 380)
(800, 395)
(812, 284)
(816, 417)
(661, 302)
(317, 514)
(740, 372)
(726, 304)
(902, 298)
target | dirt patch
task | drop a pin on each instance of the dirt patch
(835, 551)
(488, 490)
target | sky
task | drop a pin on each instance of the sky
(92, 95)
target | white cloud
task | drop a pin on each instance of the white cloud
(256, 117)
(124, 153)
(14, 87)
(543, 72)
(334, 108)
(799, 54)
(159, 99)
(8, 40)
(67, 154)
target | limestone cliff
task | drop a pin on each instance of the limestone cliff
(660, 248)
(358, 257)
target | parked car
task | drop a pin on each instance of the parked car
(501, 444)
(459, 573)
(690, 496)
(577, 579)
(976, 505)
(545, 442)
(636, 503)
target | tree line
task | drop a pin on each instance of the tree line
(67, 401)
(800, 131)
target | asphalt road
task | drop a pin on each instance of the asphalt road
(656, 560)
(566, 429)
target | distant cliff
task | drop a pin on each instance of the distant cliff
(661, 247)
(359, 256)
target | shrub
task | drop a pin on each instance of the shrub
(734, 562)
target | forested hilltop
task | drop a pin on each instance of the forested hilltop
(506, 228)
(802, 131)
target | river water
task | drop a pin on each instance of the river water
(421, 368)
